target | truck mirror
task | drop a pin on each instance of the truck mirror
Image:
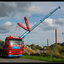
(23, 42)
(8, 44)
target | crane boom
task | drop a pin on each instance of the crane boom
(27, 32)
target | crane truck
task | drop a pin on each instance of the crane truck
(13, 47)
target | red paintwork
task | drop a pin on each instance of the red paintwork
(26, 21)
(22, 26)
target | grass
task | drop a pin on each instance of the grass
(42, 58)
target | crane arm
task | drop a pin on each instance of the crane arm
(27, 32)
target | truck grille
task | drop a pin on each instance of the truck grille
(15, 51)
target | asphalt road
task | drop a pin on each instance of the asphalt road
(18, 60)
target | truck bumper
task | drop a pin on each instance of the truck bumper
(14, 55)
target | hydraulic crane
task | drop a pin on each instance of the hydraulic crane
(13, 47)
(27, 32)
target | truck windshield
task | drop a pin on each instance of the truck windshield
(15, 42)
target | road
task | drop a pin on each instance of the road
(18, 60)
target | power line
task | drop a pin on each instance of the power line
(62, 26)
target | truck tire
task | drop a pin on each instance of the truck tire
(4, 54)
(1, 53)
(18, 56)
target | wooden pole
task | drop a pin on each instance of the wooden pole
(56, 37)
(47, 46)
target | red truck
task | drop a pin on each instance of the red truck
(13, 47)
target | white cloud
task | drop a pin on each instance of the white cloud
(60, 21)
(6, 28)
(48, 24)
(35, 9)
(49, 21)
(8, 23)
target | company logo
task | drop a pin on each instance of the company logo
(15, 47)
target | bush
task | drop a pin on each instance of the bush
(35, 54)
(52, 54)
(25, 53)
(57, 55)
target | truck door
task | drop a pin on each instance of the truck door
(6, 44)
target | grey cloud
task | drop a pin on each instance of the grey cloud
(47, 28)
(10, 9)
(34, 32)
(6, 28)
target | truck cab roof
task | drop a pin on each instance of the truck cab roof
(10, 37)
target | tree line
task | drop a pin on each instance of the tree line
(60, 46)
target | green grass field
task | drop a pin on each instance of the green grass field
(42, 58)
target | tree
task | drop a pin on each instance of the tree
(58, 43)
(62, 44)
(0, 42)
(52, 46)
(33, 46)
(38, 47)
(59, 47)
(28, 45)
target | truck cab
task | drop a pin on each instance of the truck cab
(12, 47)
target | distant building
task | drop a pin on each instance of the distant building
(42, 46)
(45, 48)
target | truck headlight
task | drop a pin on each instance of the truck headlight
(9, 52)
(21, 52)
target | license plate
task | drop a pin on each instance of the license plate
(16, 55)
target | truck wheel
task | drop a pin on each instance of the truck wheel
(4, 54)
(0, 53)
(18, 56)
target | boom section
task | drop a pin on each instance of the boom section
(27, 32)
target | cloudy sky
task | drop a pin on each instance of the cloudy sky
(13, 12)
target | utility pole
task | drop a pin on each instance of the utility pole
(56, 37)
(47, 46)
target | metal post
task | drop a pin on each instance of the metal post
(56, 37)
